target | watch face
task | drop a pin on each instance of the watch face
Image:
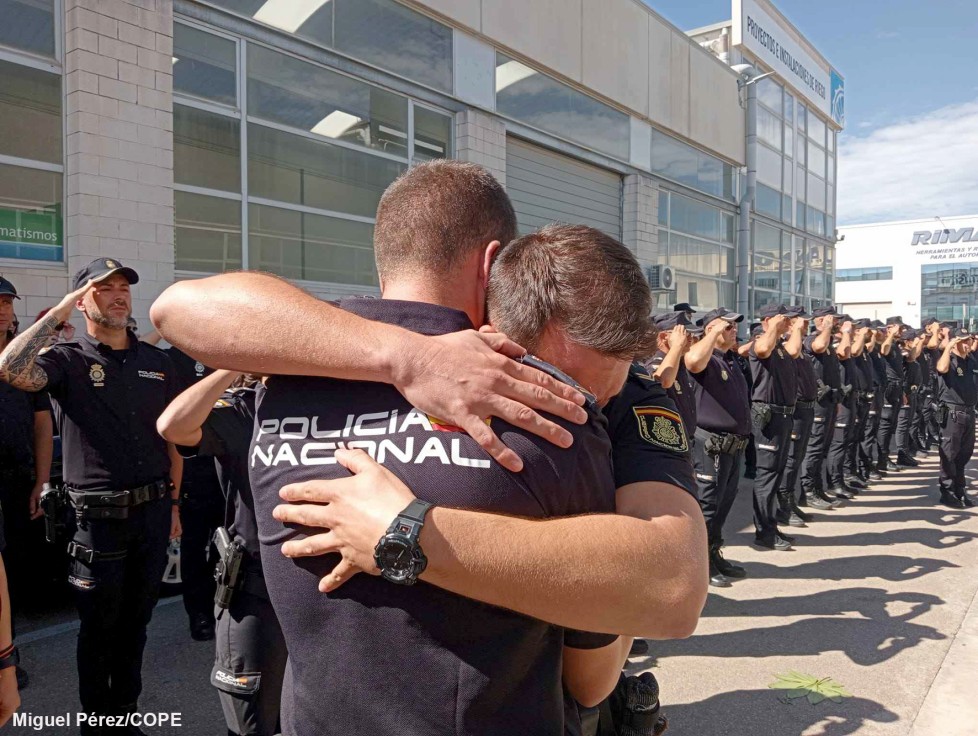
(396, 555)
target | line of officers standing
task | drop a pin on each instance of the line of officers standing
(823, 404)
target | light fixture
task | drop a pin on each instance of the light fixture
(336, 124)
(289, 15)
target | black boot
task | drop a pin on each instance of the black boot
(950, 500)
(855, 482)
(786, 515)
(717, 578)
(965, 501)
(728, 569)
(904, 460)
(815, 501)
(795, 511)
(874, 475)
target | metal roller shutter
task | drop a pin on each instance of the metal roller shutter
(548, 187)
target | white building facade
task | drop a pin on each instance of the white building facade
(915, 269)
(191, 137)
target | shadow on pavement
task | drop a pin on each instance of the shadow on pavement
(768, 713)
(863, 641)
(887, 567)
(933, 538)
(934, 516)
(871, 603)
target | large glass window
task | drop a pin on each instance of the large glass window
(769, 93)
(816, 192)
(768, 201)
(769, 128)
(30, 112)
(292, 168)
(866, 273)
(380, 32)
(28, 25)
(816, 129)
(699, 256)
(432, 135)
(696, 169)
(299, 245)
(949, 291)
(816, 159)
(204, 65)
(206, 149)
(695, 218)
(767, 257)
(207, 234)
(30, 214)
(291, 92)
(534, 98)
(769, 167)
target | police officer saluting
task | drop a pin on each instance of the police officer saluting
(119, 474)
(723, 419)
(957, 396)
(774, 396)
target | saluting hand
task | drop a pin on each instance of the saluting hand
(678, 337)
(356, 512)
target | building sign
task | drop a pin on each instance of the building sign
(946, 244)
(31, 234)
(766, 38)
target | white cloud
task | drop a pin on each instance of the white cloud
(919, 167)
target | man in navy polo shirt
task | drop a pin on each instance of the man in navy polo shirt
(121, 476)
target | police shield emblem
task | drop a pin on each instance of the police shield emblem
(960, 372)
(661, 427)
(724, 375)
(97, 374)
(110, 263)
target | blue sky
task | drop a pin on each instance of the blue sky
(911, 97)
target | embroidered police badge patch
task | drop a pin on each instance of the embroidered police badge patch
(97, 374)
(661, 427)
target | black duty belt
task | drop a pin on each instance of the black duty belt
(116, 504)
(89, 555)
(960, 409)
(777, 409)
(722, 442)
(802, 404)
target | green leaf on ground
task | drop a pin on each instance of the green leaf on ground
(815, 689)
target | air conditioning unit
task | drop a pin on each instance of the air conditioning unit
(661, 278)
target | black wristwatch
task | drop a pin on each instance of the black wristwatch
(398, 553)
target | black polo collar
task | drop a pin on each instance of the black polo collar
(420, 317)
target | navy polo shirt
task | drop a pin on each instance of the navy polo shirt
(226, 436)
(682, 392)
(775, 380)
(722, 398)
(805, 380)
(826, 364)
(894, 365)
(17, 410)
(109, 401)
(378, 658)
(650, 433)
(957, 386)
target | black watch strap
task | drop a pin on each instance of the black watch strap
(416, 510)
(11, 659)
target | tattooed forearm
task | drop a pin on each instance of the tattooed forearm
(17, 365)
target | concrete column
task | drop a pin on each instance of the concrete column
(640, 218)
(481, 139)
(119, 148)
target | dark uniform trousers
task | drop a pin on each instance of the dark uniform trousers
(925, 428)
(860, 416)
(717, 477)
(842, 436)
(250, 660)
(115, 599)
(892, 401)
(26, 556)
(905, 422)
(957, 446)
(812, 477)
(202, 511)
(869, 446)
(801, 430)
(773, 443)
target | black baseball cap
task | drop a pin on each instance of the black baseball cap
(894, 321)
(102, 268)
(862, 323)
(667, 320)
(928, 322)
(876, 324)
(719, 313)
(772, 310)
(797, 310)
(960, 332)
(7, 289)
(756, 329)
(824, 312)
(909, 334)
(682, 307)
(844, 318)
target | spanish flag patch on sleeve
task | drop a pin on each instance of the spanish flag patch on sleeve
(661, 427)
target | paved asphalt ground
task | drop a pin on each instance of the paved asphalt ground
(875, 595)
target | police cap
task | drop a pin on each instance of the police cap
(667, 320)
(683, 307)
(772, 310)
(860, 324)
(909, 334)
(894, 321)
(829, 311)
(102, 268)
(756, 329)
(719, 313)
(797, 310)
(928, 322)
(876, 324)
(7, 289)
(960, 332)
